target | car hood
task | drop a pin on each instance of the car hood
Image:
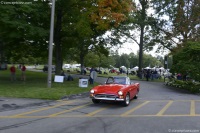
(110, 89)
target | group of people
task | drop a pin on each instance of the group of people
(66, 76)
(151, 74)
(13, 72)
(93, 75)
(184, 77)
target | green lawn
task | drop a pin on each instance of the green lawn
(35, 86)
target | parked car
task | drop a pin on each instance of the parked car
(113, 70)
(117, 88)
(45, 69)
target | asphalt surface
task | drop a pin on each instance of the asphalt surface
(17, 103)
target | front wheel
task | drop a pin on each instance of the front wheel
(136, 95)
(126, 100)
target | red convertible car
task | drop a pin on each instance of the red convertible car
(117, 88)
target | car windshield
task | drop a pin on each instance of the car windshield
(116, 80)
(120, 80)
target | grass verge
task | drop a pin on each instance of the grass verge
(35, 86)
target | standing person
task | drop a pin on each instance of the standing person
(19, 66)
(23, 69)
(12, 73)
(91, 78)
(147, 74)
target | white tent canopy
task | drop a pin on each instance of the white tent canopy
(147, 68)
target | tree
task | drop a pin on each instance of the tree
(150, 61)
(142, 23)
(24, 29)
(178, 22)
(94, 60)
(187, 60)
(107, 62)
(133, 59)
(104, 15)
(124, 60)
(138, 24)
(81, 24)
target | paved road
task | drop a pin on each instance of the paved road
(158, 109)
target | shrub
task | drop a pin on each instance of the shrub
(193, 87)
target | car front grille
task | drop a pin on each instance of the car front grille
(106, 96)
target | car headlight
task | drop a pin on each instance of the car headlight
(92, 91)
(120, 93)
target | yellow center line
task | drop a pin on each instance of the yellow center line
(162, 111)
(192, 108)
(132, 110)
(84, 116)
(65, 111)
(42, 109)
(95, 112)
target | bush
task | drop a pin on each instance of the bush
(193, 87)
(187, 60)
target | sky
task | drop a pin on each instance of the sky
(128, 48)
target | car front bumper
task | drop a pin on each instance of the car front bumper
(106, 97)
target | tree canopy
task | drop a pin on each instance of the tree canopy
(177, 23)
(24, 29)
(89, 28)
(187, 60)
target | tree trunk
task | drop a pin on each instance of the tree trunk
(141, 51)
(58, 37)
(142, 26)
(82, 55)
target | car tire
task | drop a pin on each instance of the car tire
(126, 100)
(136, 96)
(95, 101)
